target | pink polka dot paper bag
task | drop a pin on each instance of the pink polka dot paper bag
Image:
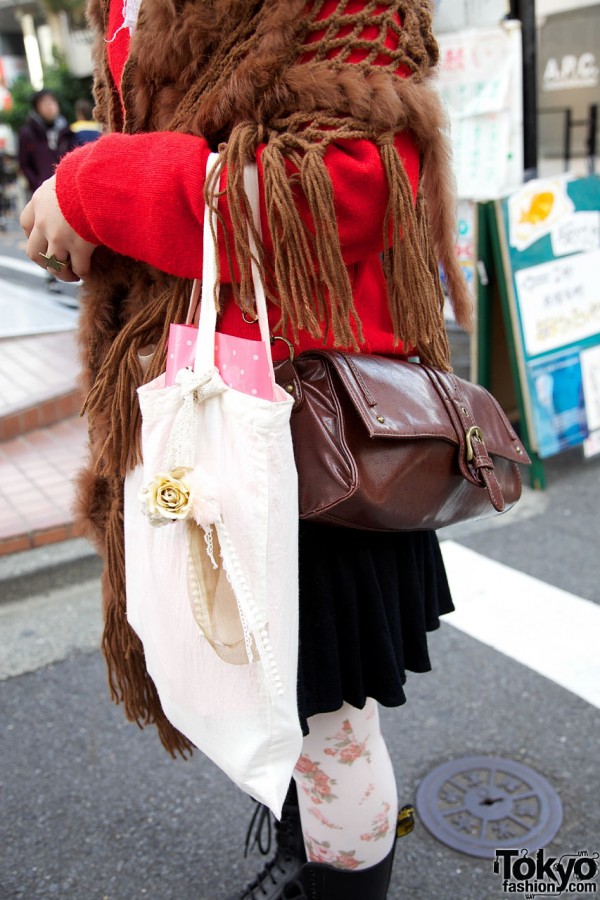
(242, 364)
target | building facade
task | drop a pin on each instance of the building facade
(568, 83)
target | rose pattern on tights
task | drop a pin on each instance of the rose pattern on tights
(345, 782)
(380, 827)
(320, 783)
(320, 817)
(346, 748)
(321, 852)
(367, 793)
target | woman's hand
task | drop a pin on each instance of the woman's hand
(49, 232)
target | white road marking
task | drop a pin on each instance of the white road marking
(541, 626)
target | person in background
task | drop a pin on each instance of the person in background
(43, 140)
(84, 129)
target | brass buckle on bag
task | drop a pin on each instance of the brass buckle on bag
(473, 434)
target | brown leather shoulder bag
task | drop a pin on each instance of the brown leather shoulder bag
(390, 445)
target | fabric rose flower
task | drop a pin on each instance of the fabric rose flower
(167, 497)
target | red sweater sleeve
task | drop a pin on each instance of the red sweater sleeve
(142, 195)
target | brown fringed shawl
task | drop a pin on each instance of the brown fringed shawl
(228, 70)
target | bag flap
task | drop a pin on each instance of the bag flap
(434, 404)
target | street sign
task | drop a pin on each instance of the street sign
(547, 241)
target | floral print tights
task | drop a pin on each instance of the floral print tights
(347, 789)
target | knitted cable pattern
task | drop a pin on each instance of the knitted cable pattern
(390, 43)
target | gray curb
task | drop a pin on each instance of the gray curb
(47, 568)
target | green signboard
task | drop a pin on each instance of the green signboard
(546, 238)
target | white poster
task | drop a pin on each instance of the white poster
(559, 302)
(543, 207)
(590, 373)
(577, 234)
(452, 15)
(486, 12)
(480, 83)
(537, 209)
(591, 445)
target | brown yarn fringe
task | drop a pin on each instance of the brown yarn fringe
(429, 126)
(233, 155)
(439, 231)
(128, 678)
(439, 347)
(415, 296)
(302, 307)
(332, 271)
(311, 297)
(120, 374)
(310, 280)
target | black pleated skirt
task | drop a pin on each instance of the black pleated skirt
(367, 601)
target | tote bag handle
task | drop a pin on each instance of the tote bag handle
(205, 346)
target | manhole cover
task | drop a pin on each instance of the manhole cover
(480, 804)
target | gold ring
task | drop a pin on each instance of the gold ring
(53, 263)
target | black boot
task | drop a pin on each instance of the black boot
(319, 881)
(290, 856)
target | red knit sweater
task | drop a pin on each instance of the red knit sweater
(142, 196)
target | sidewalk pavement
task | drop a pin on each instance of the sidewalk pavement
(42, 438)
(36, 471)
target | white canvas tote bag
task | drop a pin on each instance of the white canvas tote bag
(211, 549)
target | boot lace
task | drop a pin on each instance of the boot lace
(255, 836)
(258, 888)
(259, 836)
